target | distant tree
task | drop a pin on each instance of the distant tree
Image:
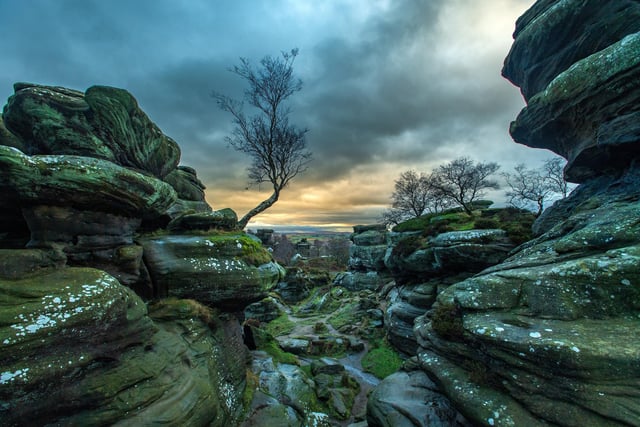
(462, 181)
(536, 186)
(338, 248)
(554, 174)
(283, 249)
(414, 195)
(527, 186)
(278, 149)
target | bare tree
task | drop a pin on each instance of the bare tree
(414, 195)
(463, 181)
(527, 186)
(536, 186)
(276, 147)
(554, 174)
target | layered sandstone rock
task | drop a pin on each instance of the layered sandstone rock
(547, 336)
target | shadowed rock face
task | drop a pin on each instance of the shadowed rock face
(548, 335)
(83, 177)
(577, 63)
(78, 348)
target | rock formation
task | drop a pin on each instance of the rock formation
(84, 178)
(547, 337)
(423, 267)
(366, 259)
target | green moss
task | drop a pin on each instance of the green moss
(281, 325)
(381, 361)
(517, 223)
(407, 246)
(446, 321)
(174, 308)
(345, 315)
(266, 342)
(249, 250)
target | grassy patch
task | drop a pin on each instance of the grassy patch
(516, 222)
(281, 325)
(344, 316)
(381, 361)
(266, 342)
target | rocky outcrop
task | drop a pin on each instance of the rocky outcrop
(78, 348)
(103, 122)
(423, 267)
(366, 269)
(547, 336)
(84, 177)
(577, 64)
(227, 271)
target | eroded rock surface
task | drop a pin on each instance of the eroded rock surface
(547, 336)
(103, 122)
(78, 348)
(577, 64)
(228, 271)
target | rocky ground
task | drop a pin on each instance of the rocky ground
(319, 344)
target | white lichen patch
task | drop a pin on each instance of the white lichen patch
(20, 374)
(54, 311)
(535, 334)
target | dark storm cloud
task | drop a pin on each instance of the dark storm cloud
(387, 84)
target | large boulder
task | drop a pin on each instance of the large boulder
(82, 183)
(224, 270)
(399, 401)
(78, 348)
(88, 208)
(577, 64)
(547, 337)
(368, 249)
(104, 123)
(415, 258)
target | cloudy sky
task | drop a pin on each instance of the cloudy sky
(389, 85)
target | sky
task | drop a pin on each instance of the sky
(388, 86)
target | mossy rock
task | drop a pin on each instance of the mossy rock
(224, 270)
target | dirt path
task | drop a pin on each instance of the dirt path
(304, 326)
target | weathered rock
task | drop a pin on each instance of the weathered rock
(223, 219)
(553, 35)
(79, 349)
(264, 310)
(584, 74)
(368, 249)
(410, 399)
(335, 387)
(9, 139)
(186, 183)
(17, 264)
(104, 123)
(82, 183)
(358, 280)
(447, 253)
(298, 283)
(88, 208)
(549, 331)
(227, 271)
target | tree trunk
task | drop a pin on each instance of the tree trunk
(264, 205)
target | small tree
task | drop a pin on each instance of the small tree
(462, 181)
(530, 186)
(414, 195)
(554, 175)
(277, 148)
(527, 186)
